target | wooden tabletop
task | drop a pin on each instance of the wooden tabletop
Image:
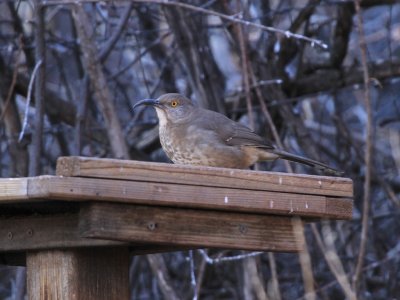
(172, 205)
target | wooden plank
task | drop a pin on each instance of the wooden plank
(19, 189)
(13, 189)
(230, 199)
(187, 227)
(193, 196)
(87, 274)
(339, 207)
(44, 232)
(205, 176)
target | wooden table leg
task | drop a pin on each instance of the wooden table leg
(85, 273)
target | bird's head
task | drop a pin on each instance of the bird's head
(172, 107)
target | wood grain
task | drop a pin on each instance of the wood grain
(187, 227)
(44, 232)
(204, 176)
(13, 189)
(193, 196)
(59, 231)
(87, 274)
(340, 207)
(229, 199)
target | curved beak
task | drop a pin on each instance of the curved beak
(152, 102)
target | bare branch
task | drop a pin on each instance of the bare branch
(234, 19)
(37, 137)
(13, 82)
(331, 79)
(159, 269)
(286, 33)
(305, 259)
(330, 254)
(107, 48)
(368, 150)
(274, 292)
(252, 280)
(245, 69)
(270, 122)
(100, 87)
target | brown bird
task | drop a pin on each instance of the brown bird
(196, 136)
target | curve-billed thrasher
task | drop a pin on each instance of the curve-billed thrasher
(196, 136)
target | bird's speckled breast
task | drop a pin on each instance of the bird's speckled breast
(177, 145)
(166, 142)
(193, 146)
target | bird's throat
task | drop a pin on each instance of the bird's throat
(162, 117)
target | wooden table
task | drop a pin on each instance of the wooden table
(77, 229)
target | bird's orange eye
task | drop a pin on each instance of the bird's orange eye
(174, 103)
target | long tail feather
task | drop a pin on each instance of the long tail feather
(309, 162)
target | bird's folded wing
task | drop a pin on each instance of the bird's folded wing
(236, 134)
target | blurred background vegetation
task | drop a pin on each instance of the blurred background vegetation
(70, 72)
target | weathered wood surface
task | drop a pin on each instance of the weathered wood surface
(16, 190)
(182, 195)
(152, 208)
(60, 231)
(13, 189)
(36, 232)
(87, 274)
(187, 227)
(204, 176)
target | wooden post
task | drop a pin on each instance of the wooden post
(86, 273)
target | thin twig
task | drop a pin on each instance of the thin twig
(368, 150)
(141, 66)
(234, 19)
(13, 80)
(109, 45)
(271, 257)
(192, 275)
(139, 56)
(10, 92)
(245, 69)
(28, 101)
(213, 261)
(239, 90)
(268, 116)
(200, 275)
(389, 191)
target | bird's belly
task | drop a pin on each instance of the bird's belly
(200, 151)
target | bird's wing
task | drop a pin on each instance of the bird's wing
(234, 133)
